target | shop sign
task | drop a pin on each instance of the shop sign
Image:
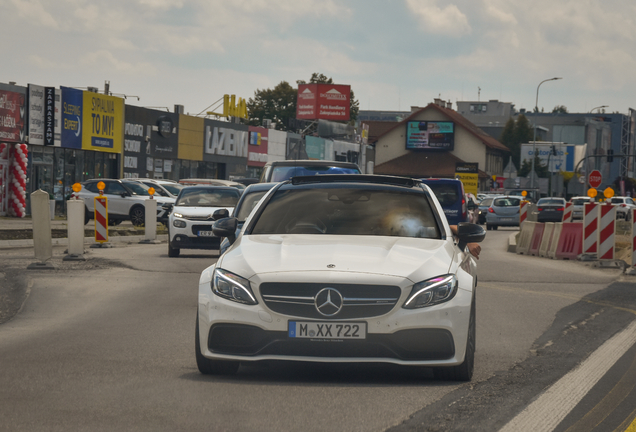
(49, 116)
(36, 108)
(468, 173)
(323, 101)
(225, 141)
(104, 123)
(12, 116)
(258, 146)
(71, 118)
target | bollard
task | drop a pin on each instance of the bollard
(607, 226)
(590, 228)
(100, 207)
(75, 229)
(150, 206)
(41, 217)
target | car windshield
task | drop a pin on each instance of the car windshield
(580, 201)
(341, 210)
(281, 173)
(446, 194)
(174, 189)
(138, 188)
(506, 202)
(248, 204)
(548, 201)
(208, 197)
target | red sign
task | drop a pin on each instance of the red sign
(323, 101)
(595, 178)
(12, 116)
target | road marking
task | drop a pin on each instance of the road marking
(550, 408)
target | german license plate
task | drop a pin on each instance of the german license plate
(327, 330)
(206, 234)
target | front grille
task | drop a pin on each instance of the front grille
(197, 228)
(199, 218)
(359, 301)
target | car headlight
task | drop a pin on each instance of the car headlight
(232, 287)
(431, 292)
(178, 215)
(179, 223)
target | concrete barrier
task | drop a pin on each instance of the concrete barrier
(556, 237)
(571, 241)
(525, 236)
(546, 239)
(535, 242)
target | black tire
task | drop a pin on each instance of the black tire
(488, 227)
(113, 222)
(464, 371)
(494, 227)
(212, 367)
(173, 252)
(138, 216)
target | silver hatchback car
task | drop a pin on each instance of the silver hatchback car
(504, 211)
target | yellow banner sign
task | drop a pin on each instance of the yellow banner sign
(470, 182)
(103, 121)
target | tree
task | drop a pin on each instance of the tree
(539, 168)
(560, 109)
(277, 104)
(515, 134)
(318, 78)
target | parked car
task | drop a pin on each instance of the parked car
(577, 206)
(550, 209)
(277, 171)
(192, 216)
(252, 195)
(504, 211)
(125, 201)
(165, 188)
(325, 267)
(212, 182)
(451, 196)
(624, 206)
(483, 206)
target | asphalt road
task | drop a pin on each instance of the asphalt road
(107, 344)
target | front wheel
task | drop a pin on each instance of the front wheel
(212, 367)
(138, 216)
(173, 252)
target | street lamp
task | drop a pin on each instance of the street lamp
(534, 140)
(599, 107)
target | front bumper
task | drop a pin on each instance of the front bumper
(188, 237)
(433, 336)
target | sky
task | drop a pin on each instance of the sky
(394, 53)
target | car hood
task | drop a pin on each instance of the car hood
(198, 211)
(412, 258)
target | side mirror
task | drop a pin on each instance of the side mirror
(225, 227)
(469, 233)
(221, 214)
(124, 194)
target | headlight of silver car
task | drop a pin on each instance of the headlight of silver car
(179, 223)
(232, 287)
(431, 292)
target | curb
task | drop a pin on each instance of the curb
(25, 243)
(512, 243)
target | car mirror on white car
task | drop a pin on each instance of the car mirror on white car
(469, 233)
(225, 227)
(220, 214)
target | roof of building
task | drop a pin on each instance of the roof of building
(378, 128)
(486, 139)
(422, 164)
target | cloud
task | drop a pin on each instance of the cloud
(35, 13)
(449, 21)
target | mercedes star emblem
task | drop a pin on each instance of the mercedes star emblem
(328, 301)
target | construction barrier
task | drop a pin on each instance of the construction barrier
(101, 219)
(556, 237)
(523, 212)
(570, 244)
(535, 242)
(633, 238)
(590, 228)
(525, 235)
(546, 239)
(606, 237)
(567, 212)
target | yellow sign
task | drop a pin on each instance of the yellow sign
(524, 193)
(103, 122)
(470, 182)
(591, 192)
(101, 186)
(608, 192)
(77, 187)
(231, 108)
(151, 191)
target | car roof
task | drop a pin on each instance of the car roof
(354, 178)
(312, 162)
(258, 187)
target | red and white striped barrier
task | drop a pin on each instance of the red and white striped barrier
(523, 212)
(101, 219)
(590, 228)
(567, 212)
(633, 237)
(606, 238)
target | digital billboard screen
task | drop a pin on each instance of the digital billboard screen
(430, 135)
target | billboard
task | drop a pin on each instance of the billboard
(430, 135)
(566, 159)
(36, 109)
(103, 121)
(323, 101)
(12, 116)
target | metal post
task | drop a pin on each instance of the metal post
(534, 140)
